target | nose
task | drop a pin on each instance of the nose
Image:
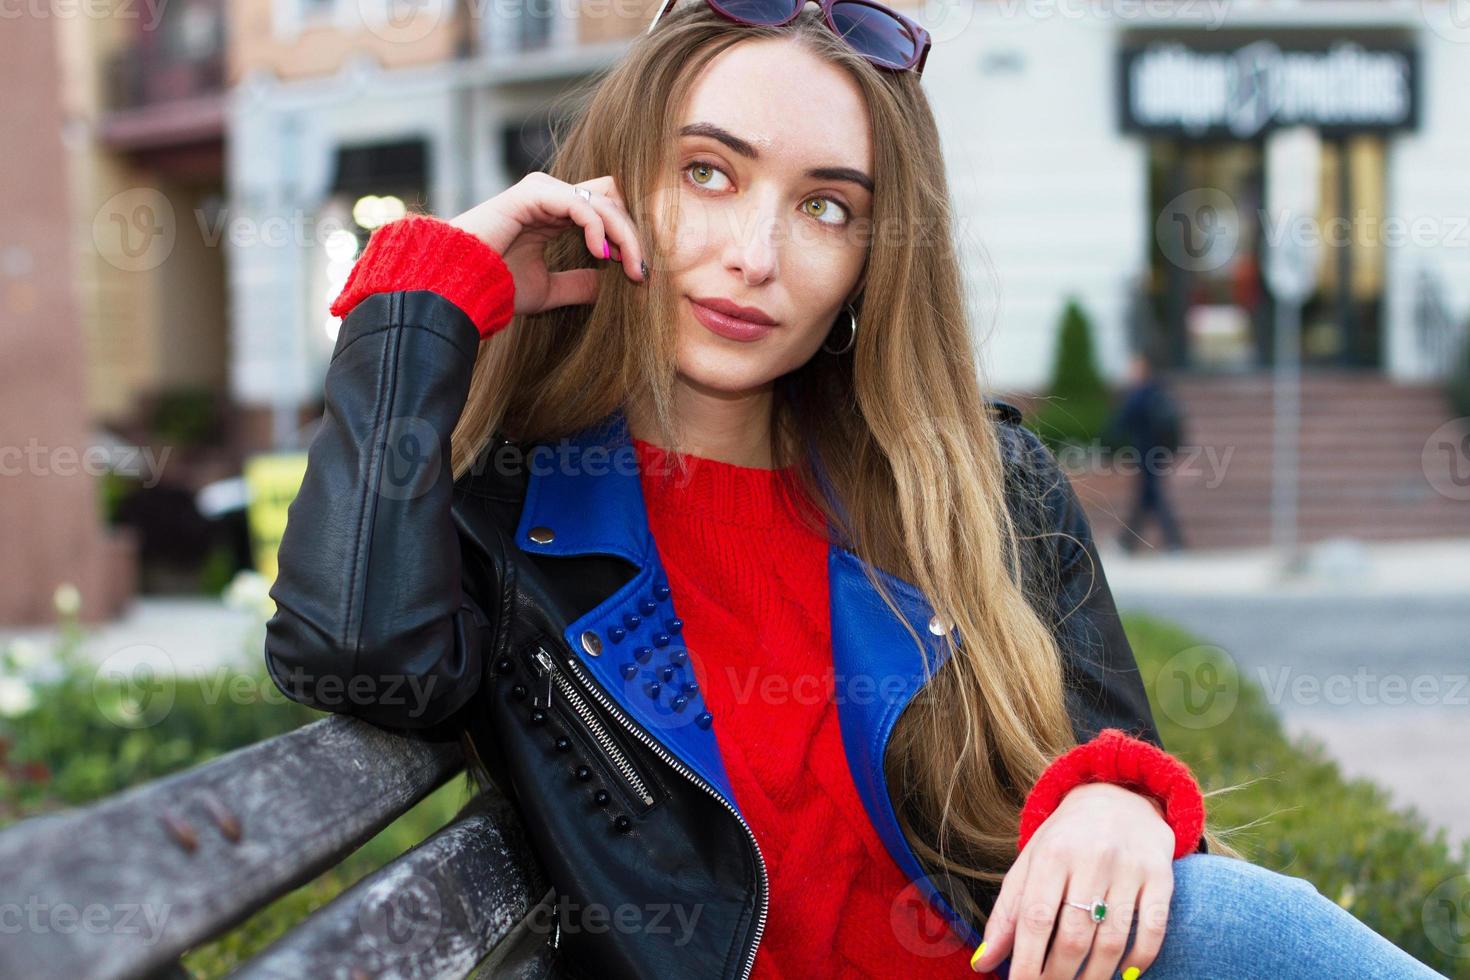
(754, 246)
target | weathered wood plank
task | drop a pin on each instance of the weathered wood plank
(121, 887)
(526, 953)
(435, 912)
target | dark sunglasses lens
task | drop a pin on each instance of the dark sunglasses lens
(874, 33)
(757, 11)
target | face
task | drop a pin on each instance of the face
(772, 178)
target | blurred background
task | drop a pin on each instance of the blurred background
(1218, 251)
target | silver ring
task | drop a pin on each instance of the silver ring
(583, 193)
(1097, 908)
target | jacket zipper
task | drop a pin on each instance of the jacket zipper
(666, 756)
(546, 667)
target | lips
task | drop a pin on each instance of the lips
(750, 314)
(731, 326)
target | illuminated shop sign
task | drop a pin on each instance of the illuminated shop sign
(1238, 93)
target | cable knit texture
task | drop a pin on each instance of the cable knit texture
(420, 251)
(1116, 757)
(750, 582)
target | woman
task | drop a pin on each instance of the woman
(829, 725)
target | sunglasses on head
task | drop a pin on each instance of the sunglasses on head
(885, 37)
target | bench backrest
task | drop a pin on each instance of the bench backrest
(123, 886)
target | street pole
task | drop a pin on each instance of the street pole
(1293, 190)
(1286, 377)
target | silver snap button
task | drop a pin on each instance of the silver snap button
(592, 643)
(542, 535)
(938, 625)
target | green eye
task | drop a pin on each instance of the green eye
(820, 207)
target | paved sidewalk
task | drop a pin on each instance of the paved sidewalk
(1367, 648)
(189, 635)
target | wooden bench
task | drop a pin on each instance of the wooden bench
(122, 887)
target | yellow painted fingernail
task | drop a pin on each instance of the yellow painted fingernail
(1131, 973)
(975, 957)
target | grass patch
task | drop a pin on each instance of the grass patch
(1301, 816)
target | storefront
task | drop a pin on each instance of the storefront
(1204, 106)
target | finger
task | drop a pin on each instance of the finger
(606, 186)
(1075, 930)
(1000, 926)
(571, 288)
(618, 226)
(1036, 917)
(1153, 919)
(1111, 939)
(558, 201)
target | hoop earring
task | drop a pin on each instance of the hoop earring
(851, 337)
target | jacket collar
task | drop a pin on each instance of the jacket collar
(585, 496)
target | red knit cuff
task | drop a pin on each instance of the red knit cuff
(1115, 757)
(420, 251)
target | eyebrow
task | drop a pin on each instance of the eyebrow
(745, 149)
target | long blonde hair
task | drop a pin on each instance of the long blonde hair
(898, 425)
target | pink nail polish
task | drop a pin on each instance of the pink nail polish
(606, 249)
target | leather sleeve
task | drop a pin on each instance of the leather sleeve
(376, 617)
(1103, 685)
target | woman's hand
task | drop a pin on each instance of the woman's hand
(1102, 840)
(519, 221)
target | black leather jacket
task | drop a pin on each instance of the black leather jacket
(526, 602)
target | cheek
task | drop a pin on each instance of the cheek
(696, 234)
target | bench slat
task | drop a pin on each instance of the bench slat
(121, 887)
(436, 911)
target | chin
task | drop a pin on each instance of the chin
(731, 368)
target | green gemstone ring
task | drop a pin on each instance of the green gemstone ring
(1097, 908)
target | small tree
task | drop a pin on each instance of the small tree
(1079, 402)
(1457, 385)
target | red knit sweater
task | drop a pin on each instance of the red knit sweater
(750, 582)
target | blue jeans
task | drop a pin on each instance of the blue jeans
(1231, 920)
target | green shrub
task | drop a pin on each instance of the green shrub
(1078, 403)
(1344, 835)
(1457, 385)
